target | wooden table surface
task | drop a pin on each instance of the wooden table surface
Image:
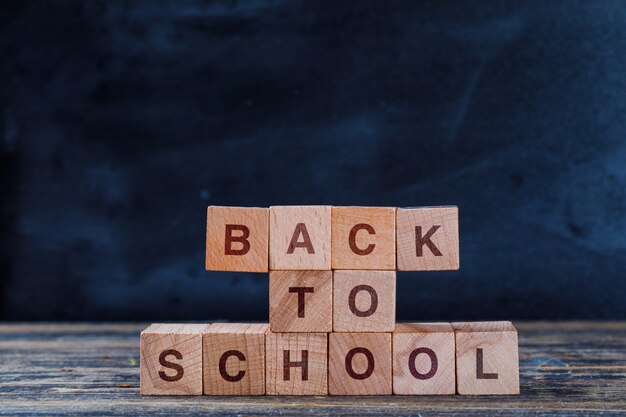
(567, 368)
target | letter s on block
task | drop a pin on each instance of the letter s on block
(171, 365)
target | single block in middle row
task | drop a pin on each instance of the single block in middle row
(301, 301)
(364, 301)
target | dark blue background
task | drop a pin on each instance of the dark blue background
(121, 121)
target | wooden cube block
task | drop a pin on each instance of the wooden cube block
(237, 239)
(300, 237)
(359, 364)
(297, 363)
(171, 359)
(423, 359)
(364, 301)
(234, 359)
(486, 358)
(364, 238)
(427, 238)
(301, 301)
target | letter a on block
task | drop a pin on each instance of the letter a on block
(364, 238)
(297, 363)
(300, 237)
(487, 360)
(234, 359)
(171, 359)
(237, 239)
(427, 238)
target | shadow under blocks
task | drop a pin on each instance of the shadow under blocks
(332, 329)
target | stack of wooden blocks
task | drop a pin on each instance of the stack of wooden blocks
(332, 330)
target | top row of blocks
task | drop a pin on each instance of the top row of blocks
(324, 237)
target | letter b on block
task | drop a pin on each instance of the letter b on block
(237, 239)
(234, 359)
(427, 238)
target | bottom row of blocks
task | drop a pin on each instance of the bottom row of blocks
(248, 359)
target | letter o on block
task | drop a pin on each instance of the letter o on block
(359, 364)
(364, 301)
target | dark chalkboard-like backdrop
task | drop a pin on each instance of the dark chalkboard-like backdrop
(121, 122)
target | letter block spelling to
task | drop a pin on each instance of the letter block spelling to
(359, 364)
(364, 301)
(427, 238)
(297, 363)
(364, 238)
(486, 358)
(301, 301)
(300, 237)
(234, 359)
(423, 359)
(171, 359)
(237, 239)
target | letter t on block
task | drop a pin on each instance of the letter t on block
(237, 239)
(487, 359)
(170, 359)
(427, 238)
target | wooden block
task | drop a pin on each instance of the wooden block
(301, 301)
(423, 359)
(297, 363)
(364, 301)
(427, 238)
(237, 239)
(364, 238)
(171, 359)
(234, 359)
(486, 358)
(300, 237)
(359, 364)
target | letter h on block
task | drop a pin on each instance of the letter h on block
(297, 363)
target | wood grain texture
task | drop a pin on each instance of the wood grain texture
(310, 377)
(300, 237)
(171, 359)
(364, 238)
(237, 239)
(566, 369)
(301, 301)
(359, 364)
(487, 358)
(424, 359)
(364, 301)
(427, 238)
(225, 370)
